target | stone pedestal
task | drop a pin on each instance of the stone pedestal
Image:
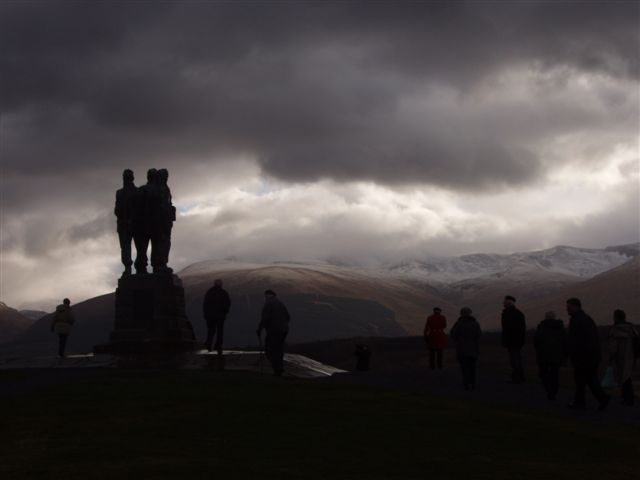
(150, 318)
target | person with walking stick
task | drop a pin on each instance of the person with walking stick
(275, 320)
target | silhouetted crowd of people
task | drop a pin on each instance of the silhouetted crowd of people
(554, 344)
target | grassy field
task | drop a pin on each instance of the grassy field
(148, 425)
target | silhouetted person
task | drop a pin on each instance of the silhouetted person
(435, 337)
(621, 355)
(466, 333)
(584, 351)
(513, 337)
(215, 308)
(147, 206)
(63, 319)
(363, 357)
(164, 216)
(275, 320)
(124, 211)
(550, 341)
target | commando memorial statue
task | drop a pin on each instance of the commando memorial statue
(150, 318)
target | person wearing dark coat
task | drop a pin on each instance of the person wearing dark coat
(466, 333)
(215, 308)
(514, 330)
(63, 320)
(550, 342)
(275, 320)
(585, 354)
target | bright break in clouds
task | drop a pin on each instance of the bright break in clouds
(364, 131)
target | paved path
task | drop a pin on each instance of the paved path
(492, 390)
(23, 375)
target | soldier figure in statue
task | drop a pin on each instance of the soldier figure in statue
(124, 211)
(146, 205)
(164, 217)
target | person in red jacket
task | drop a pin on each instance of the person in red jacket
(435, 337)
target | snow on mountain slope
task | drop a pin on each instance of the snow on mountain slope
(570, 261)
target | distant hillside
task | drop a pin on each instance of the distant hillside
(337, 301)
(324, 301)
(322, 305)
(600, 295)
(12, 323)
(33, 314)
(94, 321)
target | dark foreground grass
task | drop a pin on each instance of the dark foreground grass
(195, 425)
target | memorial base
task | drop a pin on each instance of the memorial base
(150, 324)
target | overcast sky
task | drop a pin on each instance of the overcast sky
(357, 131)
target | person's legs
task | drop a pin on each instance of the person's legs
(220, 333)
(439, 358)
(211, 332)
(156, 250)
(554, 381)
(473, 368)
(432, 358)
(271, 350)
(596, 388)
(627, 392)
(125, 249)
(141, 241)
(466, 365)
(545, 372)
(62, 344)
(517, 369)
(160, 246)
(580, 378)
(277, 351)
(463, 370)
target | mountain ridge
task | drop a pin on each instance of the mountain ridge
(329, 301)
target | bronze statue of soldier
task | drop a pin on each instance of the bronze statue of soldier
(124, 211)
(146, 205)
(164, 216)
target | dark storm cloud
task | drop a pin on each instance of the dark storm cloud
(310, 89)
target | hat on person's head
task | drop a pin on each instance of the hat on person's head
(465, 311)
(550, 315)
(510, 298)
(270, 292)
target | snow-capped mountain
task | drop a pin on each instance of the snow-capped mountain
(332, 301)
(568, 261)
